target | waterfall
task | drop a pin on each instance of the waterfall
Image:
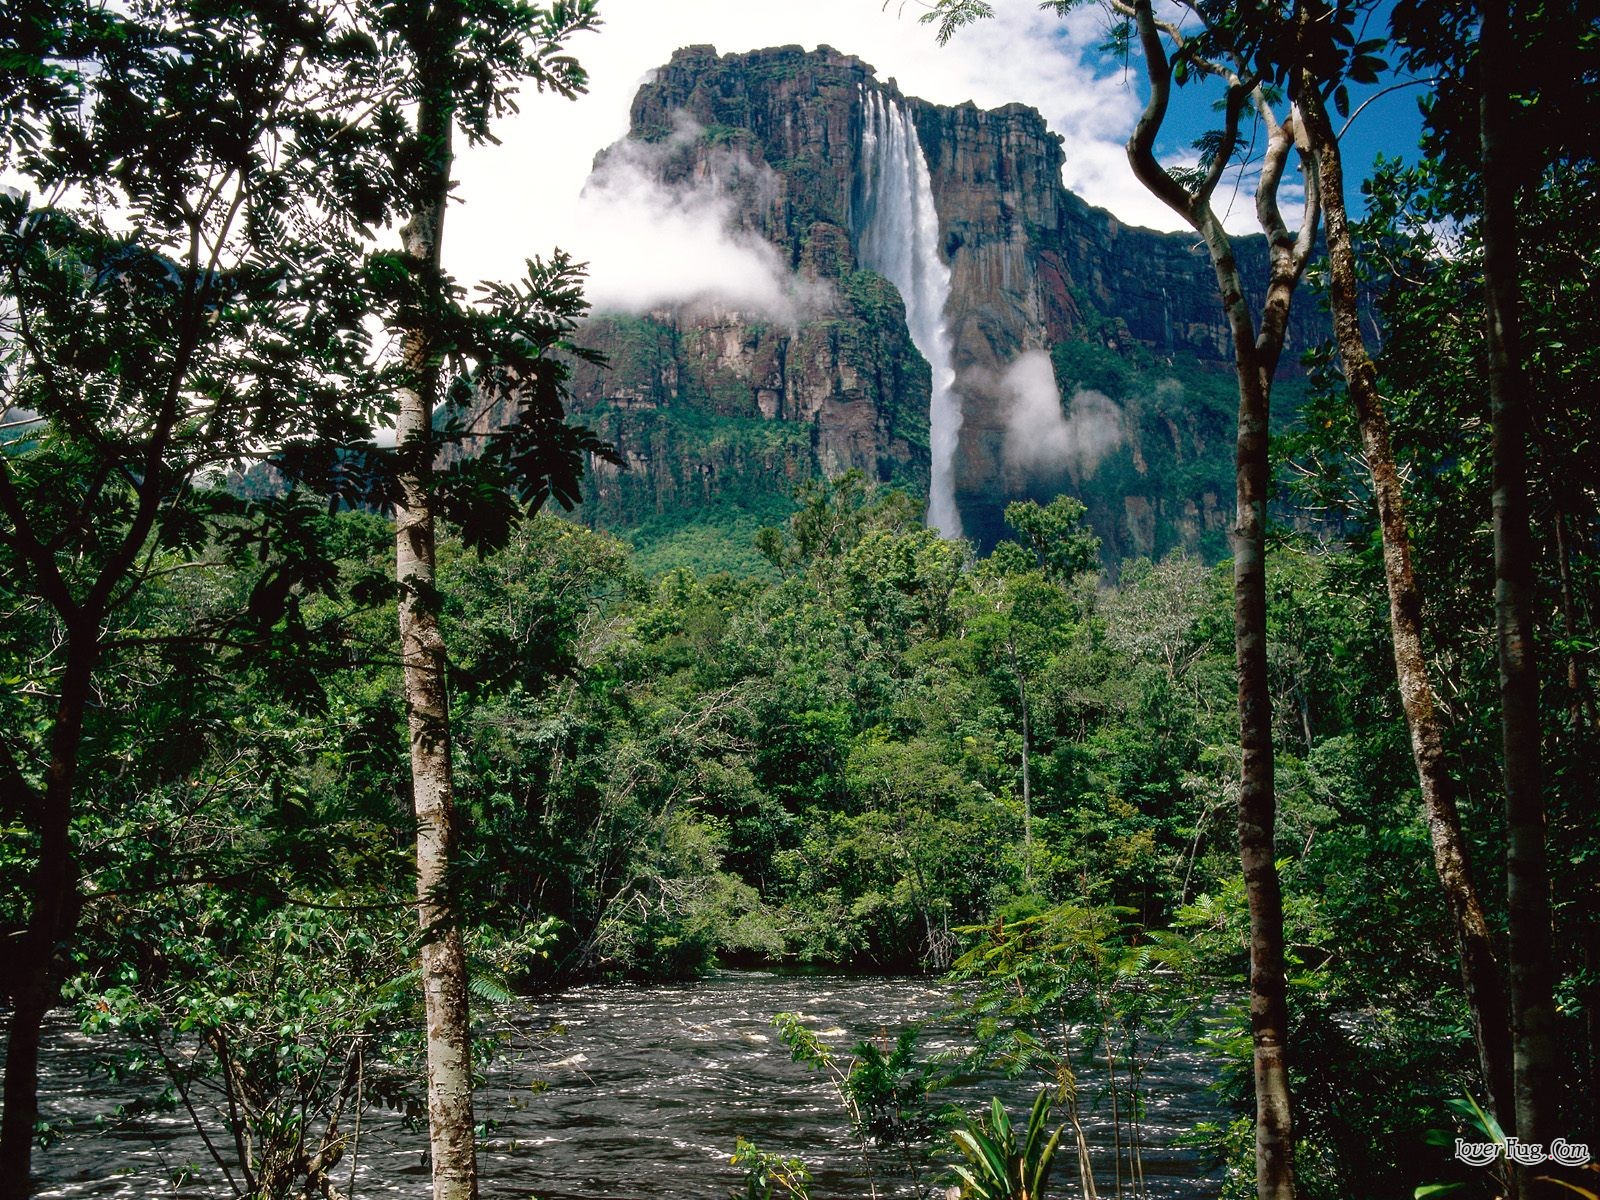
(898, 236)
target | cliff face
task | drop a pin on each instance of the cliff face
(715, 407)
(708, 403)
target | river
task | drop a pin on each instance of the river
(630, 1092)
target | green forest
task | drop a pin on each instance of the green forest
(303, 785)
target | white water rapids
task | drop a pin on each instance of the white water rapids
(898, 237)
(617, 1090)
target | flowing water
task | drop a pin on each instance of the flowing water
(633, 1091)
(897, 233)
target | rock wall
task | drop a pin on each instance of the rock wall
(714, 407)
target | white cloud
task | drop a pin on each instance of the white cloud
(1044, 438)
(521, 196)
(650, 244)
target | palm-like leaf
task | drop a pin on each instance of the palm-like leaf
(999, 1168)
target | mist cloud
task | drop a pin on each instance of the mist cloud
(1041, 435)
(650, 244)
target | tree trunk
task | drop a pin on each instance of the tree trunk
(1528, 918)
(36, 982)
(1581, 728)
(1269, 1014)
(1027, 784)
(444, 970)
(1480, 972)
(1255, 361)
(1255, 357)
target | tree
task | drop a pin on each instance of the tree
(1501, 141)
(1493, 159)
(1062, 548)
(1021, 611)
(1172, 55)
(138, 365)
(1483, 464)
(244, 931)
(229, 327)
(1528, 949)
(462, 64)
(1318, 73)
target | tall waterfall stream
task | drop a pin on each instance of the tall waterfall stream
(897, 231)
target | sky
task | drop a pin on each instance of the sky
(521, 197)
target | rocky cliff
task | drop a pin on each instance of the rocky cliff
(711, 405)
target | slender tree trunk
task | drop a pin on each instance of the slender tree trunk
(1255, 360)
(444, 969)
(1256, 357)
(1257, 364)
(1027, 785)
(36, 982)
(1528, 918)
(1480, 972)
(1116, 1111)
(1581, 729)
(1269, 1013)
